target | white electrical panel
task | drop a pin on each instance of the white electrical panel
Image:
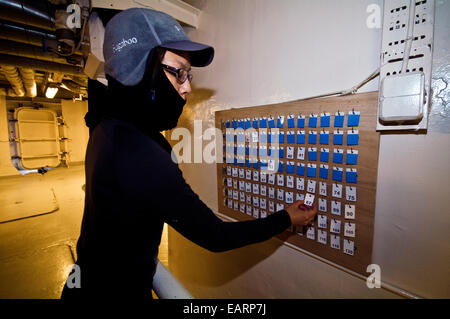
(405, 96)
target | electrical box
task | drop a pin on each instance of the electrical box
(404, 97)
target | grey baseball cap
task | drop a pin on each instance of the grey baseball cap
(130, 36)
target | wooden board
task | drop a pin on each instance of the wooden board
(366, 167)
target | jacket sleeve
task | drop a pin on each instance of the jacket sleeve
(157, 181)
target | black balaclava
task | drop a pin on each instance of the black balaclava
(153, 105)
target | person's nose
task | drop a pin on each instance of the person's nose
(185, 88)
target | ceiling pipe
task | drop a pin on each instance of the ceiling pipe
(40, 65)
(20, 11)
(13, 77)
(29, 51)
(17, 33)
(28, 81)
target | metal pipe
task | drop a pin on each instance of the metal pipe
(166, 286)
(19, 11)
(29, 51)
(28, 81)
(13, 77)
(40, 65)
(13, 32)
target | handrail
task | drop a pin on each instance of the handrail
(166, 286)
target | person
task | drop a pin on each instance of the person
(132, 185)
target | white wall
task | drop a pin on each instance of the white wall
(6, 166)
(270, 51)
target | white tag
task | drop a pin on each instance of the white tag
(336, 208)
(263, 214)
(249, 210)
(289, 197)
(230, 193)
(263, 190)
(256, 189)
(229, 171)
(290, 181)
(349, 247)
(255, 201)
(322, 236)
(350, 193)
(280, 207)
(322, 205)
(230, 204)
(248, 187)
(322, 221)
(235, 195)
(229, 182)
(310, 233)
(241, 173)
(300, 183)
(242, 208)
(349, 211)
(263, 177)
(311, 186)
(248, 174)
(335, 242)
(255, 176)
(290, 152)
(272, 179)
(235, 183)
(349, 229)
(337, 190)
(335, 226)
(271, 192)
(323, 188)
(248, 199)
(280, 180)
(234, 172)
(262, 203)
(300, 196)
(236, 206)
(309, 199)
(242, 196)
(271, 165)
(280, 194)
(271, 206)
(241, 185)
(255, 137)
(301, 153)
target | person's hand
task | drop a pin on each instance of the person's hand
(301, 215)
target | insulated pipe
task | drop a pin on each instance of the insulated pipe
(166, 286)
(28, 81)
(12, 32)
(40, 65)
(19, 11)
(13, 77)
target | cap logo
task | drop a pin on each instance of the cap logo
(178, 28)
(118, 47)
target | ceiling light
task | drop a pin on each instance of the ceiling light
(51, 90)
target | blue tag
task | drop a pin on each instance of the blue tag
(300, 122)
(263, 138)
(263, 123)
(291, 122)
(338, 139)
(241, 124)
(312, 138)
(337, 175)
(312, 155)
(281, 153)
(290, 138)
(353, 119)
(235, 161)
(350, 177)
(325, 120)
(256, 164)
(271, 137)
(247, 163)
(271, 150)
(311, 172)
(300, 169)
(255, 123)
(247, 150)
(248, 124)
(234, 124)
(281, 137)
(290, 168)
(339, 120)
(352, 158)
(324, 156)
(280, 167)
(352, 138)
(263, 165)
(323, 173)
(271, 123)
(300, 138)
(279, 123)
(312, 121)
(324, 138)
(338, 158)
(227, 124)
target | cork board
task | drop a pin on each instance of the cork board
(345, 184)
